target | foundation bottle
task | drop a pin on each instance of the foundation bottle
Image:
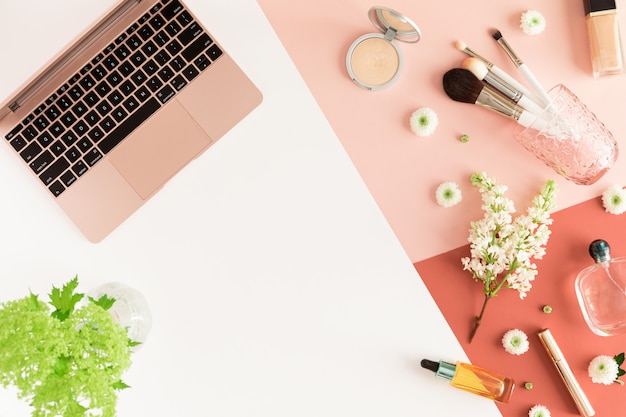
(605, 44)
(473, 379)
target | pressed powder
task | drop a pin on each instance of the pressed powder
(374, 60)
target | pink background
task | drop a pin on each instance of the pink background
(402, 170)
(460, 299)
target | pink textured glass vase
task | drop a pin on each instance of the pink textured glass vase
(569, 138)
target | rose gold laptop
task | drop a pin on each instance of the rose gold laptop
(115, 115)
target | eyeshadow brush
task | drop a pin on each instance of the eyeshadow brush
(461, 46)
(523, 68)
(463, 86)
(480, 70)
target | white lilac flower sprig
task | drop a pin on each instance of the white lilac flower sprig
(604, 369)
(539, 411)
(424, 121)
(515, 342)
(614, 199)
(502, 248)
(532, 22)
(448, 194)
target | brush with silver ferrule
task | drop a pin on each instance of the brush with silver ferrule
(481, 72)
(523, 68)
(463, 86)
(461, 46)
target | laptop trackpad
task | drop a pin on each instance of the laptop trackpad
(159, 149)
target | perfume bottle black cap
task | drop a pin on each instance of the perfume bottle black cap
(600, 251)
(592, 6)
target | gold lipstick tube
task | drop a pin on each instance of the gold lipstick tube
(581, 400)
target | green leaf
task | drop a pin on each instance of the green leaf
(64, 300)
(619, 358)
(133, 343)
(120, 385)
(62, 365)
(35, 305)
(104, 301)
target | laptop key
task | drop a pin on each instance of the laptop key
(42, 162)
(30, 152)
(142, 94)
(14, 132)
(179, 82)
(134, 42)
(214, 52)
(41, 123)
(115, 98)
(129, 125)
(54, 171)
(72, 154)
(184, 18)
(99, 73)
(190, 72)
(56, 188)
(171, 10)
(197, 47)
(68, 178)
(165, 94)
(30, 133)
(79, 168)
(58, 148)
(126, 68)
(45, 139)
(92, 157)
(189, 34)
(18, 143)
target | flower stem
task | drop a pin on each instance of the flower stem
(479, 318)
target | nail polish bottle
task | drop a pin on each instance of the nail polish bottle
(473, 379)
(605, 43)
(601, 291)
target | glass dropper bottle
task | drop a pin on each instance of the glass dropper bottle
(472, 378)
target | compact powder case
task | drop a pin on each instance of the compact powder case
(374, 60)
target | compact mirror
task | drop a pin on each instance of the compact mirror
(374, 60)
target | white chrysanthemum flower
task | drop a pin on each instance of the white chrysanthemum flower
(515, 342)
(424, 121)
(448, 194)
(539, 411)
(603, 369)
(532, 22)
(614, 199)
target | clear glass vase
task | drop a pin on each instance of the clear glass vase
(130, 310)
(570, 139)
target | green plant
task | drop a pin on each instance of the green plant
(66, 360)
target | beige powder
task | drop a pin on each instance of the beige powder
(374, 61)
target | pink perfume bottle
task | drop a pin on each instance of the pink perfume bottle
(601, 291)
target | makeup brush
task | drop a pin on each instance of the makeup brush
(463, 86)
(481, 72)
(461, 46)
(528, 75)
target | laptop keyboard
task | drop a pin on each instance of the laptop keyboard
(121, 87)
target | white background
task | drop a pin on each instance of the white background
(276, 286)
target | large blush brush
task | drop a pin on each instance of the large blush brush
(463, 86)
(481, 72)
(523, 68)
(461, 46)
